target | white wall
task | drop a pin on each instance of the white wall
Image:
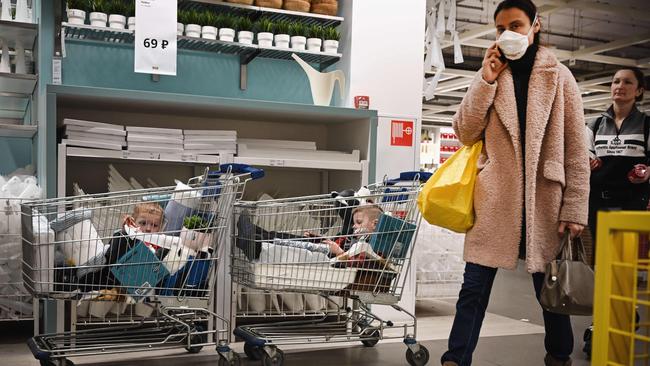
(384, 60)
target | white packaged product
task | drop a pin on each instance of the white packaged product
(79, 239)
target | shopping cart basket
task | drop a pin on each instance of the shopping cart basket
(363, 255)
(156, 250)
(15, 301)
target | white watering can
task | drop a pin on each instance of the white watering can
(322, 84)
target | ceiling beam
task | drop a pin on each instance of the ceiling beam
(614, 45)
(547, 8)
(628, 11)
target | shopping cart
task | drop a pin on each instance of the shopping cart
(15, 301)
(377, 232)
(106, 251)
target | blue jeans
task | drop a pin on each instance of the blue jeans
(470, 311)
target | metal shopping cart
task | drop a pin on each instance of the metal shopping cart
(15, 301)
(375, 232)
(106, 251)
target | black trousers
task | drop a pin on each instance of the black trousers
(613, 201)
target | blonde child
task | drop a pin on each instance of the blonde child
(364, 222)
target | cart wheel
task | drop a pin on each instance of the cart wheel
(419, 358)
(52, 363)
(374, 339)
(235, 361)
(277, 360)
(197, 338)
(253, 352)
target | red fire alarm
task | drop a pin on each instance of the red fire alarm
(362, 102)
(401, 133)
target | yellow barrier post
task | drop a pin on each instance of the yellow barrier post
(615, 295)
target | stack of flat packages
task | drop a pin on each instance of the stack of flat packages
(293, 150)
(154, 140)
(94, 134)
(210, 142)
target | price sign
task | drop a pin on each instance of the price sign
(155, 37)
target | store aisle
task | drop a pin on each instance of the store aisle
(512, 336)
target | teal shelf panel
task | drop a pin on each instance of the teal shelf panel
(17, 131)
(246, 52)
(233, 108)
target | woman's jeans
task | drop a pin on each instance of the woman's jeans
(470, 311)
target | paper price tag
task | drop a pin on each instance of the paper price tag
(277, 163)
(155, 37)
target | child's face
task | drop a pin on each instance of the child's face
(362, 223)
(148, 222)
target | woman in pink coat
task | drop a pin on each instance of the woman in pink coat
(533, 180)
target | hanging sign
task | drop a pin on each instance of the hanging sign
(401, 133)
(155, 37)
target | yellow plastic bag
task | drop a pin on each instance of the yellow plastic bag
(447, 199)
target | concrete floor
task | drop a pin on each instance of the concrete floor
(512, 335)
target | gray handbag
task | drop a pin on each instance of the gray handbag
(569, 281)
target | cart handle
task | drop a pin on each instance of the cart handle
(410, 177)
(255, 173)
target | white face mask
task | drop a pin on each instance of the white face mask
(513, 44)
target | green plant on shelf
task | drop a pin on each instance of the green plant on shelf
(196, 223)
(298, 29)
(226, 21)
(331, 34)
(189, 17)
(100, 6)
(130, 8)
(315, 31)
(118, 7)
(265, 25)
(282, 27)
(84, 5)
(243, 23)
(209, 18)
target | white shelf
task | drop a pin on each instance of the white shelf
(302, 164)
(82, 152)
(21, 85)
(18, 32)
(274, 14)
(19, 131)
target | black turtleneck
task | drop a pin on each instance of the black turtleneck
(521, 70)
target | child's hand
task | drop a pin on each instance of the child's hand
(334, 247)
(309, 234)
(129, 221)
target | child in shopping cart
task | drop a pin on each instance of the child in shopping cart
(147, 218)
(250, 236)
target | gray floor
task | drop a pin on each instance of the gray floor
(512, 302)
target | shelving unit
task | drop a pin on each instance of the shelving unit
(334, 129)
(20, 85)
(246, 52)
(257, 11)
(18, 32)
(19, 131)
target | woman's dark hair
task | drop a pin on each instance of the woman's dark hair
(526, 6)
(640, 78)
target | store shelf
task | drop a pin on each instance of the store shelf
(19, 85)
(18, 32)
(13, 107)
(19, 131)
(301, 164)
(257, 11)
(246, 52)
(82, 152)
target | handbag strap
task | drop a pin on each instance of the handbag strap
(567, 253)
